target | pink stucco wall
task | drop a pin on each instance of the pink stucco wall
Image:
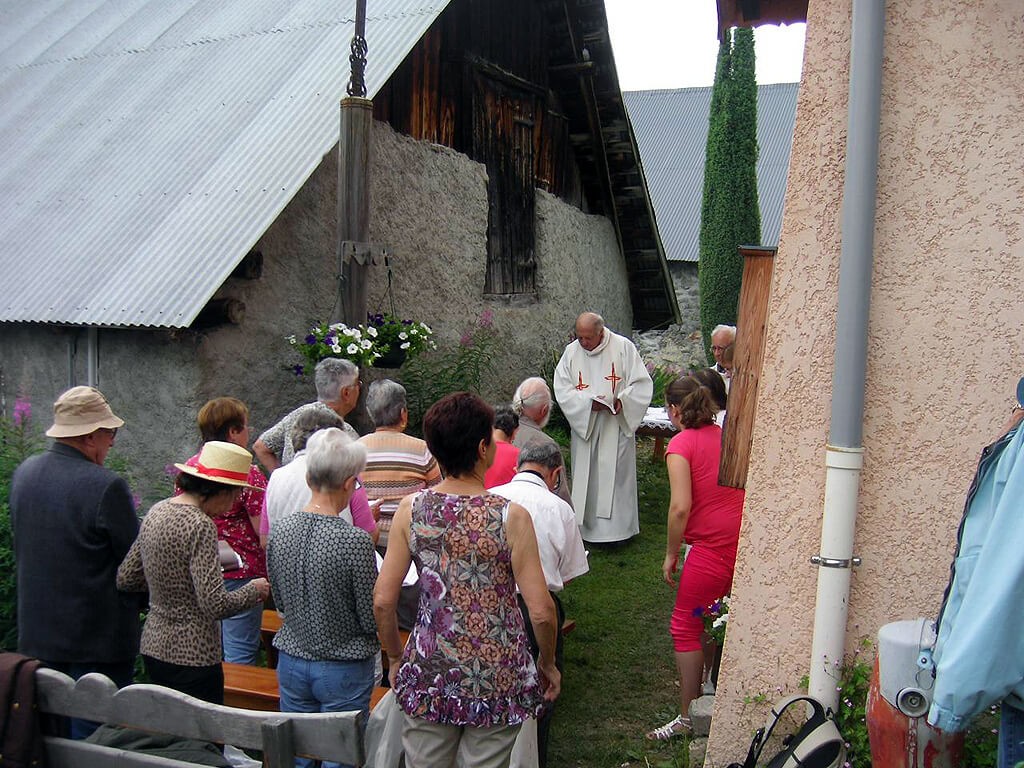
(946, 334)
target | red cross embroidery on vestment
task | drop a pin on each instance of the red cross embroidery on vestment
(613, 378)
(581, 385)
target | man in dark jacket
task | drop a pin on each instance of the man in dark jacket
(73, 522)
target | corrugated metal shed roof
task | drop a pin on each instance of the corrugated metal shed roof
(671, 129)
(148, 145)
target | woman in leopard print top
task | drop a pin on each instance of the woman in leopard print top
(175, 557)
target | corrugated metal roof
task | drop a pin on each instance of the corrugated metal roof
(148, 145)
(671, 129)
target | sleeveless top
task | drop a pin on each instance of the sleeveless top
(467, 661)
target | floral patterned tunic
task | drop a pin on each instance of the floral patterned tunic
(467, 661)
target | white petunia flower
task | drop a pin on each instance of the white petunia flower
(371, 331)
(403, 335)
(404, 346)
(336, 349)
(352, 349)
(366, 344)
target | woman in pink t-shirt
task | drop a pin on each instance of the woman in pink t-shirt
(707, 516)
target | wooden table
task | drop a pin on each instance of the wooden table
(657, 425)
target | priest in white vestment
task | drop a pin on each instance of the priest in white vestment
(603, 388)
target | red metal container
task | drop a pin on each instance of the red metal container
(899, 741)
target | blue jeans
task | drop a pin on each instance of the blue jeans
(1011, 736)
(240, 633)
(324, 686)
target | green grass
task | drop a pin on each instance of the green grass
(619, 668)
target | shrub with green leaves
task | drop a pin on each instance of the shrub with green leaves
(462, 368)
(730, 215)
(19, 439)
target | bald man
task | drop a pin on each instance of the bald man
(603, 388)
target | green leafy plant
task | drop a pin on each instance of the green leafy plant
(19, 439)
(463, 367)
(662, 375)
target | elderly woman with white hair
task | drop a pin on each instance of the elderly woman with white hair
(323, 572)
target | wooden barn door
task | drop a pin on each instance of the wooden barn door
(503, 131)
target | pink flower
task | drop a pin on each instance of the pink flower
(487, 318)
(22, 411)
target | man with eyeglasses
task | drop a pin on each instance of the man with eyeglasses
(73, 522)
(562, 556)
(337, 390)
(722, 337)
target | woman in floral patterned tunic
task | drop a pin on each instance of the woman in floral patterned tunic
(466, 681)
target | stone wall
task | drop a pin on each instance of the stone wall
(429, 207)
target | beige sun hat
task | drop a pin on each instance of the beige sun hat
(220, 462)
(81, 411)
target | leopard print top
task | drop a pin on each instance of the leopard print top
(175, 555)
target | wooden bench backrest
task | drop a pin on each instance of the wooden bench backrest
(336, 736)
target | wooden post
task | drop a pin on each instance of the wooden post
(354, 203)
(748, 356)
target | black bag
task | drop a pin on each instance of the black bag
(817, 744)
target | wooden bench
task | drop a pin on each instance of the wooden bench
(336, 736)
(256, 688)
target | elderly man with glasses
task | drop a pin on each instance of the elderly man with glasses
(73, 522)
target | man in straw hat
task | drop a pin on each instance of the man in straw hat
(73, 522)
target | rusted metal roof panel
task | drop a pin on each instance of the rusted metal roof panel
(671, 128)
(148, 145)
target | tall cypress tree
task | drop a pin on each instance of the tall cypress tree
(730, 215)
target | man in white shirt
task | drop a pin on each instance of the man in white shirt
(562, 555)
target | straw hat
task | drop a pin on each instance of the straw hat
(81, 411)
(224, 463)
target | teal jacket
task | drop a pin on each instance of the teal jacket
(979, 651)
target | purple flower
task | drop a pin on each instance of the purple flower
(170, 470)
(311, 339)
(487, 318)
(22, 411)
(329, 339)
(299, 369)
(466, 339)
(698, 611)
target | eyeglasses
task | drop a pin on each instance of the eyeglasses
(111, 432)
(716, 348)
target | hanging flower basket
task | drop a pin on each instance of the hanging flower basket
(393, 358)
(383, 342)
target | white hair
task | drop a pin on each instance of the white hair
(331, 376)
(332, 457)
(532, 395)
(730, 329)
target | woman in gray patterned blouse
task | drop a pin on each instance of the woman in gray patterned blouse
(323, 571)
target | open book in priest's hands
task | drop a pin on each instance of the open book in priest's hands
(603, 400)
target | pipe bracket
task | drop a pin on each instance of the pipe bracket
(834, 562)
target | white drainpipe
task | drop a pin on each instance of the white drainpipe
(845, 452)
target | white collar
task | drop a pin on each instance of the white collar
(529, 477)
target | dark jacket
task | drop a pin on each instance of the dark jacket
(73, 522)
(21, 740)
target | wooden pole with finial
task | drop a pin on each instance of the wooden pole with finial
(354, 252)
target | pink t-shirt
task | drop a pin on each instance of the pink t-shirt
(717, 510)
(504, 467)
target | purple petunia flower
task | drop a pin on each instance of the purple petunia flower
(299, 369)
(311, 339)
(698, 611)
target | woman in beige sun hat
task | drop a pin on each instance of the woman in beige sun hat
(175, 557)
